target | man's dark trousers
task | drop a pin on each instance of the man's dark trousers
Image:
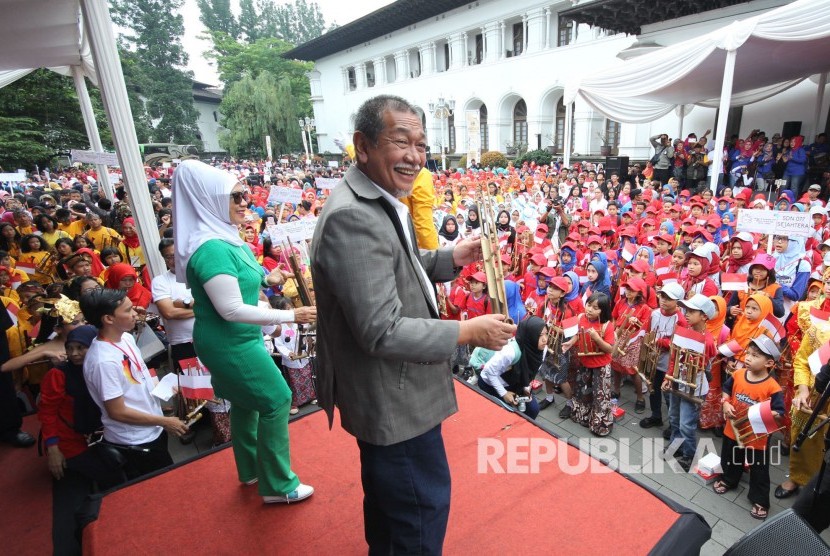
(406, 489)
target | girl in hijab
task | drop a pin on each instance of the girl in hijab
(567, 258)
(711, 413)
(598, 279)
(504, 229)
(791, 271)
(225, 281)
(573, 297)
(760, 279)
(739, 254)
(473, 222)
(747, 326)
(448, 234)
(130, 247)
(697, 278)
(122, 276)
(508, 372)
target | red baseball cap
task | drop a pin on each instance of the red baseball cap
(561, 283)
(539, 259)
(636, 284)
(479, 277)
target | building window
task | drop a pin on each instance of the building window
(612, 132)
(352, 79)
(370, 78)
(215, 116)
(451, 133)
(482, 125)
(518, 38)
(566, 28)
(559, 142)
(479, 49)
(520, 123)
(446, 56)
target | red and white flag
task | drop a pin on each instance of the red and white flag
(570, 327)
(687, 338)
(582, 273)
(12, 309)
(26, 266)
(730, 349)
(628, 252)
(539, 238)
(773, 325)
(639, 335)
(819, 358)
(662, 267)
(819, 317)
(503, 242)
(733, 282)
(549, 252)
(761, 419)
(551, 263)
(669, 278)
(196, 387)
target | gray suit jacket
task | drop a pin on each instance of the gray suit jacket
(382, 353)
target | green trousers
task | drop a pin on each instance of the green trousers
(260, 444)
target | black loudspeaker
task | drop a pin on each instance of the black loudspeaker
(617, 164)
(786, 533)
(791, 129)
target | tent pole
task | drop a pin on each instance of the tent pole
(682, 117)
(723, 116)
(99, 29)
(822, 83)
(92, 130)
(569, 112)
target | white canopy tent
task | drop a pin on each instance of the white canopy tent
(742, 63)
(75, 37)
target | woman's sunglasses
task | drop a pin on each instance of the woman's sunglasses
(239, 196)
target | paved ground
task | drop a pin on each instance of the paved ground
(728, 515)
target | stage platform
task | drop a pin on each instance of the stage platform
(199, 506)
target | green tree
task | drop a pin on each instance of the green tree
(157, 76)
(255, 107)
(22, 144)
(294, 23)
(249, 21)
(217, 17)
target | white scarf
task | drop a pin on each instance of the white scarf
(201, 210)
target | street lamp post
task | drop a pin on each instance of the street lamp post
(306, 126)
(442, 110)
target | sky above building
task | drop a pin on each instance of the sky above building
(339, 11)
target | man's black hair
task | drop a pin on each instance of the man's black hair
(369, 119)
(96, 304)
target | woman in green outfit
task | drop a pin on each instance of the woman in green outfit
(225, 281)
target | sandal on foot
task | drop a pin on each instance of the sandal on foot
(720, 487)
(759, 512)
(640, 406)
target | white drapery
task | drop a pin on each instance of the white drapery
(772, 52)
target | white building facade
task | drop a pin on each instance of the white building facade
(510, 61)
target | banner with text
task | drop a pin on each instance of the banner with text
(473, 136)
(298, 230)
(92, 157)
(281, 194)
(775, 222)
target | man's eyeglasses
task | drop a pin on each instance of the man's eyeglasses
(239, 196)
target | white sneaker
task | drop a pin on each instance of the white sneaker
(250, 481)
(300, 493)
(473, 380)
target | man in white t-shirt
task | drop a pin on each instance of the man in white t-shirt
(120, 384)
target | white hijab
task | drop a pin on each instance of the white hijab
(201, 201)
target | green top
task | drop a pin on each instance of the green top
(233, 352)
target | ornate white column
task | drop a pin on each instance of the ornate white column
(360, 75)
(492, 39)
(458, 54)
(345, 73)
(427, 58)
(535, 30)
(547, 28)
(401, 72)
(503, 49)
(380, 71)
(524, 33)
(464, 53)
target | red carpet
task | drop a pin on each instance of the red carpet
(26, 502)
(201, 507)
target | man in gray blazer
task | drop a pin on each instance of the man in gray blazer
(383, 354)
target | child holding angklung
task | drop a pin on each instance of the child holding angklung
(631, 315)
(684, 413)
(555, 366)
(663, 322)
(745, 388)
(594, 344)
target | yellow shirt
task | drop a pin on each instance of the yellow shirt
(54, 236)
(103, 237)
(74, 228)
(420, 208)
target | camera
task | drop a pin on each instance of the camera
(521, 402)
(558, 201)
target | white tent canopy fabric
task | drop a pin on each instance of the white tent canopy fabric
(76, 38)
(42, 34)
(741, 63)
(775, 50)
